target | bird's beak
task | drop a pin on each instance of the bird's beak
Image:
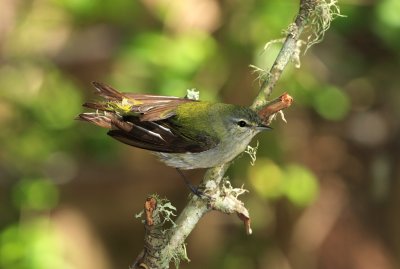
(263, 127)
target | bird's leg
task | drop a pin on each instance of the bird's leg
(195, 190)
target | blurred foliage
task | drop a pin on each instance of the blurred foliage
(387, 12)
(87, 11)
(332, 103)
(294, 182)
(173, 62)
(35, 194)
(345, 93)
(33, 245)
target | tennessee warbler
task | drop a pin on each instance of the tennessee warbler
(183, 133)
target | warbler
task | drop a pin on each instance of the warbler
(183, 133)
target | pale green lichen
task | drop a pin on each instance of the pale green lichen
(252, 151)
(296, 53)
(139, 215)
(318, 23)
(320, 20)
(261, 73)
(229, 190)
(193, 94)
(163, 213)
(167, 211)
(179, 255)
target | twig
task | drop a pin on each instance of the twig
(268, 112)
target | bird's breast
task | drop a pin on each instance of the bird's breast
(224, 152)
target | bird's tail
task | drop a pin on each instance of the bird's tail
(103, 120)
(105, 109)
(108, 92)
(111, 96)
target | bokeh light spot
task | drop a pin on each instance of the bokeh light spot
(331, 103)
(368, 128)
(36, 194)
(388, 12)
(266, 178)
(33, 244)
(301, 186)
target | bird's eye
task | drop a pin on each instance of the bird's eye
(242, 123)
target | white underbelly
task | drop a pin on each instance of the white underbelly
(209, 158)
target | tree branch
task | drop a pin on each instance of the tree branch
(219, 194)
(285, 55)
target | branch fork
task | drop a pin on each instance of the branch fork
(226, 201)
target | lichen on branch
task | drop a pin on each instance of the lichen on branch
(314, 18)
(320, 20)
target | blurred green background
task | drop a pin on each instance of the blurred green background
(324, 192)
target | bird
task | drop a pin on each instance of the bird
(182, 132)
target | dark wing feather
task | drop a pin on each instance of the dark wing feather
(160, 136)
(96, 119)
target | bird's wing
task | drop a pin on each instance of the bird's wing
(160, 136)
